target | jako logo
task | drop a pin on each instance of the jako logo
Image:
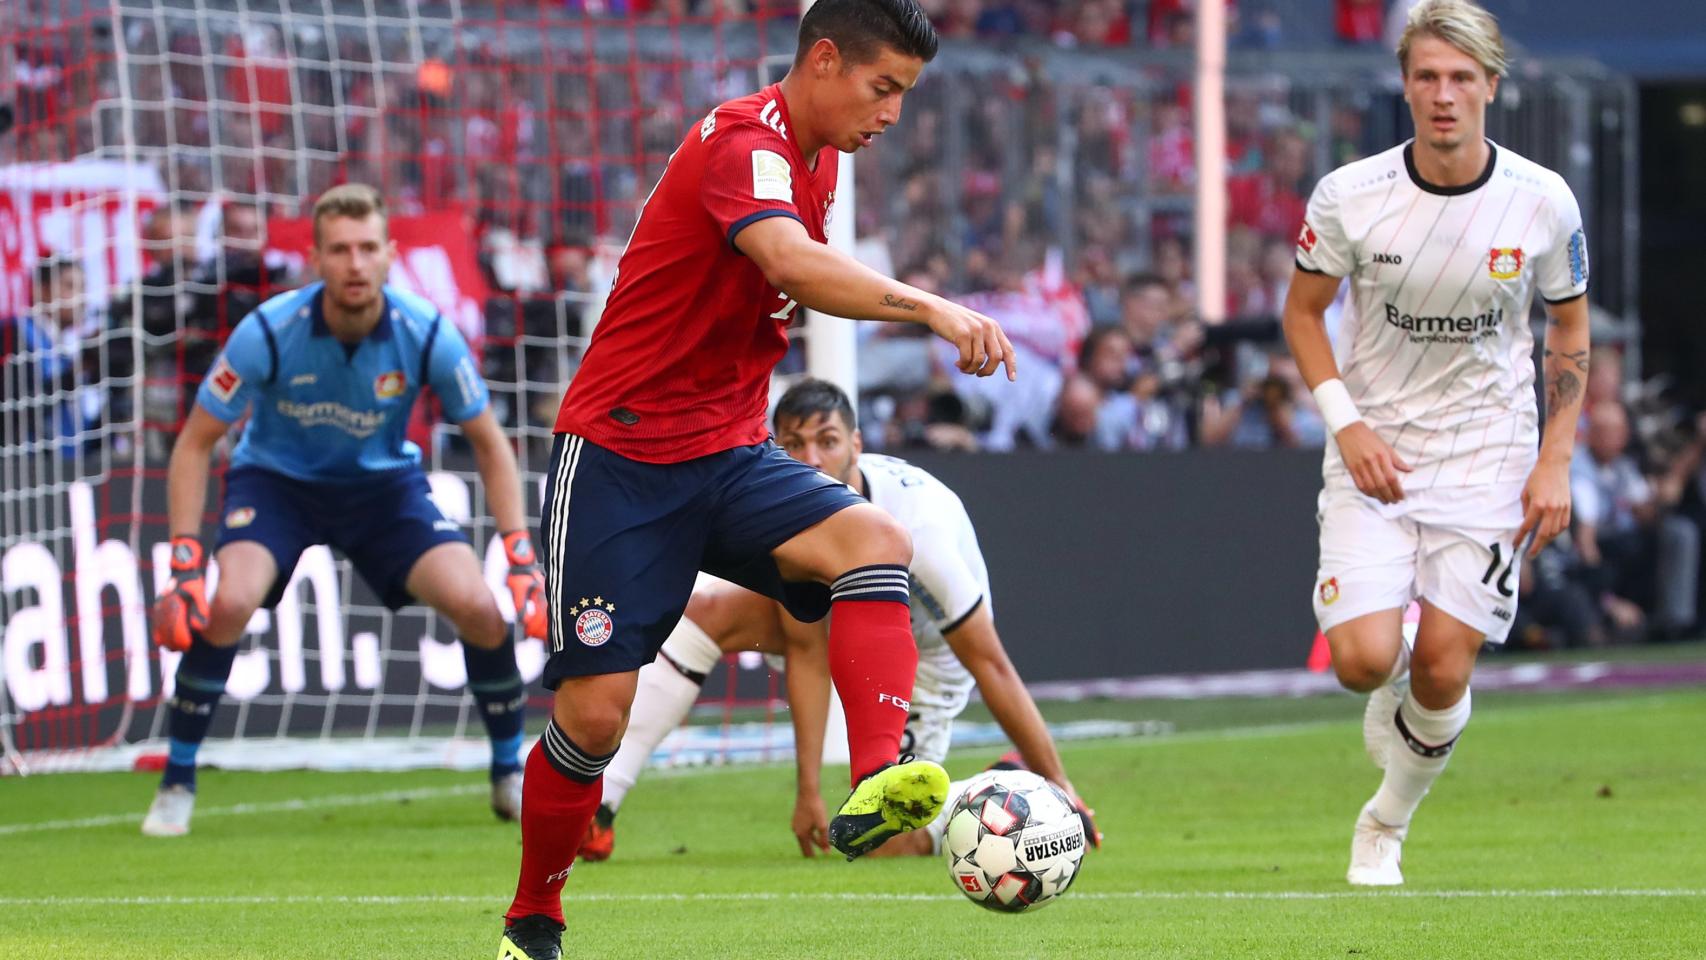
(903, 704)
(1391, 258)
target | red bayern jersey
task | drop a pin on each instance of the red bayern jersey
(679, 365)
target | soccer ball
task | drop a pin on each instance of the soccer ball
(1014, 841)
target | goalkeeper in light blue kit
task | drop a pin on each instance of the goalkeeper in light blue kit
(328, 374)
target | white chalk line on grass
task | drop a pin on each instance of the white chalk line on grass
(761, 896)
(435, 793)
(250, 809)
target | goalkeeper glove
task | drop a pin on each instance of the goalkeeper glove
(526, 584)
(181, 609)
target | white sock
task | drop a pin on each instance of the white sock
(1414, 762)
(662, 700)
(1401, 666)
(692, 648)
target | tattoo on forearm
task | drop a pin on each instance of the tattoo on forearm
(890, 300)
(1579, 358)
(1562, 390)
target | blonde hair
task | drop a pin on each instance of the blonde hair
(1465, 25)
(357, 201)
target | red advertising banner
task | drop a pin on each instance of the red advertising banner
(90, 210)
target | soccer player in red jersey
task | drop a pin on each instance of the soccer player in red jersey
(663, 464)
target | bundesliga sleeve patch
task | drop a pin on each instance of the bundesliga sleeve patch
(772, 178)
(1306, 238)
(223, 382)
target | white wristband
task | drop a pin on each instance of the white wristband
(1336, 406)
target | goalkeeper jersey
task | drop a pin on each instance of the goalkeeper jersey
(321, 410)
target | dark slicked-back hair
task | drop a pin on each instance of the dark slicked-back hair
(810, 397)
(862, 28)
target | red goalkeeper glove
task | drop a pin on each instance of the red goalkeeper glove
(526, 585)
(181, 609)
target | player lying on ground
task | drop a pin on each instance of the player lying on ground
(328, 374)
(662, 466)
(953, 623)
(1438, 477)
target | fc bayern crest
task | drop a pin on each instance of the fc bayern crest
(594, 627)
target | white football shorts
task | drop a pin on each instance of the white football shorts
(1450, 547)
(939, 694)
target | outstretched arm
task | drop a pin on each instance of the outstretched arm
(978, 646)
(825, 279)
(807, 654)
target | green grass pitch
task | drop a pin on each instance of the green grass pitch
(1567, 826)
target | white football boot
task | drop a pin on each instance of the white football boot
(169, 814)
(1376, 852)
(506, 797)
(1378, 727)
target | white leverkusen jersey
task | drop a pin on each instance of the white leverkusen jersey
(1435, 346)
(949, 579)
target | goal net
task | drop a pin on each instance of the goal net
(158, 162)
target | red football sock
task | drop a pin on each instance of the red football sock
(555, 812)
(873, 661)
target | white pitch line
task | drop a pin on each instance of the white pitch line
(430, 793)
(761, 896)
(249, 809)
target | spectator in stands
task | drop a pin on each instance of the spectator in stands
(1109, 361)
(1557, 606)
(227, 287)
(1172, 150)
(1269, 200)
(1134, 413)
(53, 366)
(1173, 267)
(1645, 557)
(1144, 310)
(1274, 272)
(1075, 412)
(1686, 473)
(1270, 411)
(1046, 327)
(1099, 282)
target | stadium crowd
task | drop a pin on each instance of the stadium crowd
(1065, 213)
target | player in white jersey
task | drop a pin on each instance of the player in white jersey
(952, 622)
(1440, 474)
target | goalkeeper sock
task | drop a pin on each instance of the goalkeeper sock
(496, 686)
(873, 661)
(667, 688)
(200, 683)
